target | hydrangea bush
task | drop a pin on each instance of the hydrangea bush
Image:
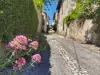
(18, 48)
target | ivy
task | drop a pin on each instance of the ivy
(75, 13)
(82, 10)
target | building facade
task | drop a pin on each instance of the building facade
(45, 22)
(55, 20)
(64, 8)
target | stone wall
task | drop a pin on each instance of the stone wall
(66, 7)
(45, 21)
(83, 29)
(82, 32)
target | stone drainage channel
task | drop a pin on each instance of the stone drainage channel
(72, 63)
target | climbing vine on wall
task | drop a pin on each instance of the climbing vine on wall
(82, 10)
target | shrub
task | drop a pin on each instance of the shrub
(18, 17)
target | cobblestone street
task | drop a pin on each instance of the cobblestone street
(62, 63)
(63, 58)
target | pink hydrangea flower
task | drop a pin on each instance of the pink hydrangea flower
(23, 48)
(36, 58)
(21, 39)
(19, 42)
(14, 44)
(20, 62)
(34, 45)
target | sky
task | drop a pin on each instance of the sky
(51, 10)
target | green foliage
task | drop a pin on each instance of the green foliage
(75, 13)
(95, 2)
(98, 11)
(67, 20)
(18, 17)
(82, 10)
(1, 12)
(39, 3)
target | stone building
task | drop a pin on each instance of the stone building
(55, 20)
(45, 22)
(64, 8)
(55, 17)
(84, 30)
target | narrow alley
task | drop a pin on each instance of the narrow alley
(49, 37)
(65, 61)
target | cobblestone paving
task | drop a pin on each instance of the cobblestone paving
(71, 67)
(87, 59)
(58, 64)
